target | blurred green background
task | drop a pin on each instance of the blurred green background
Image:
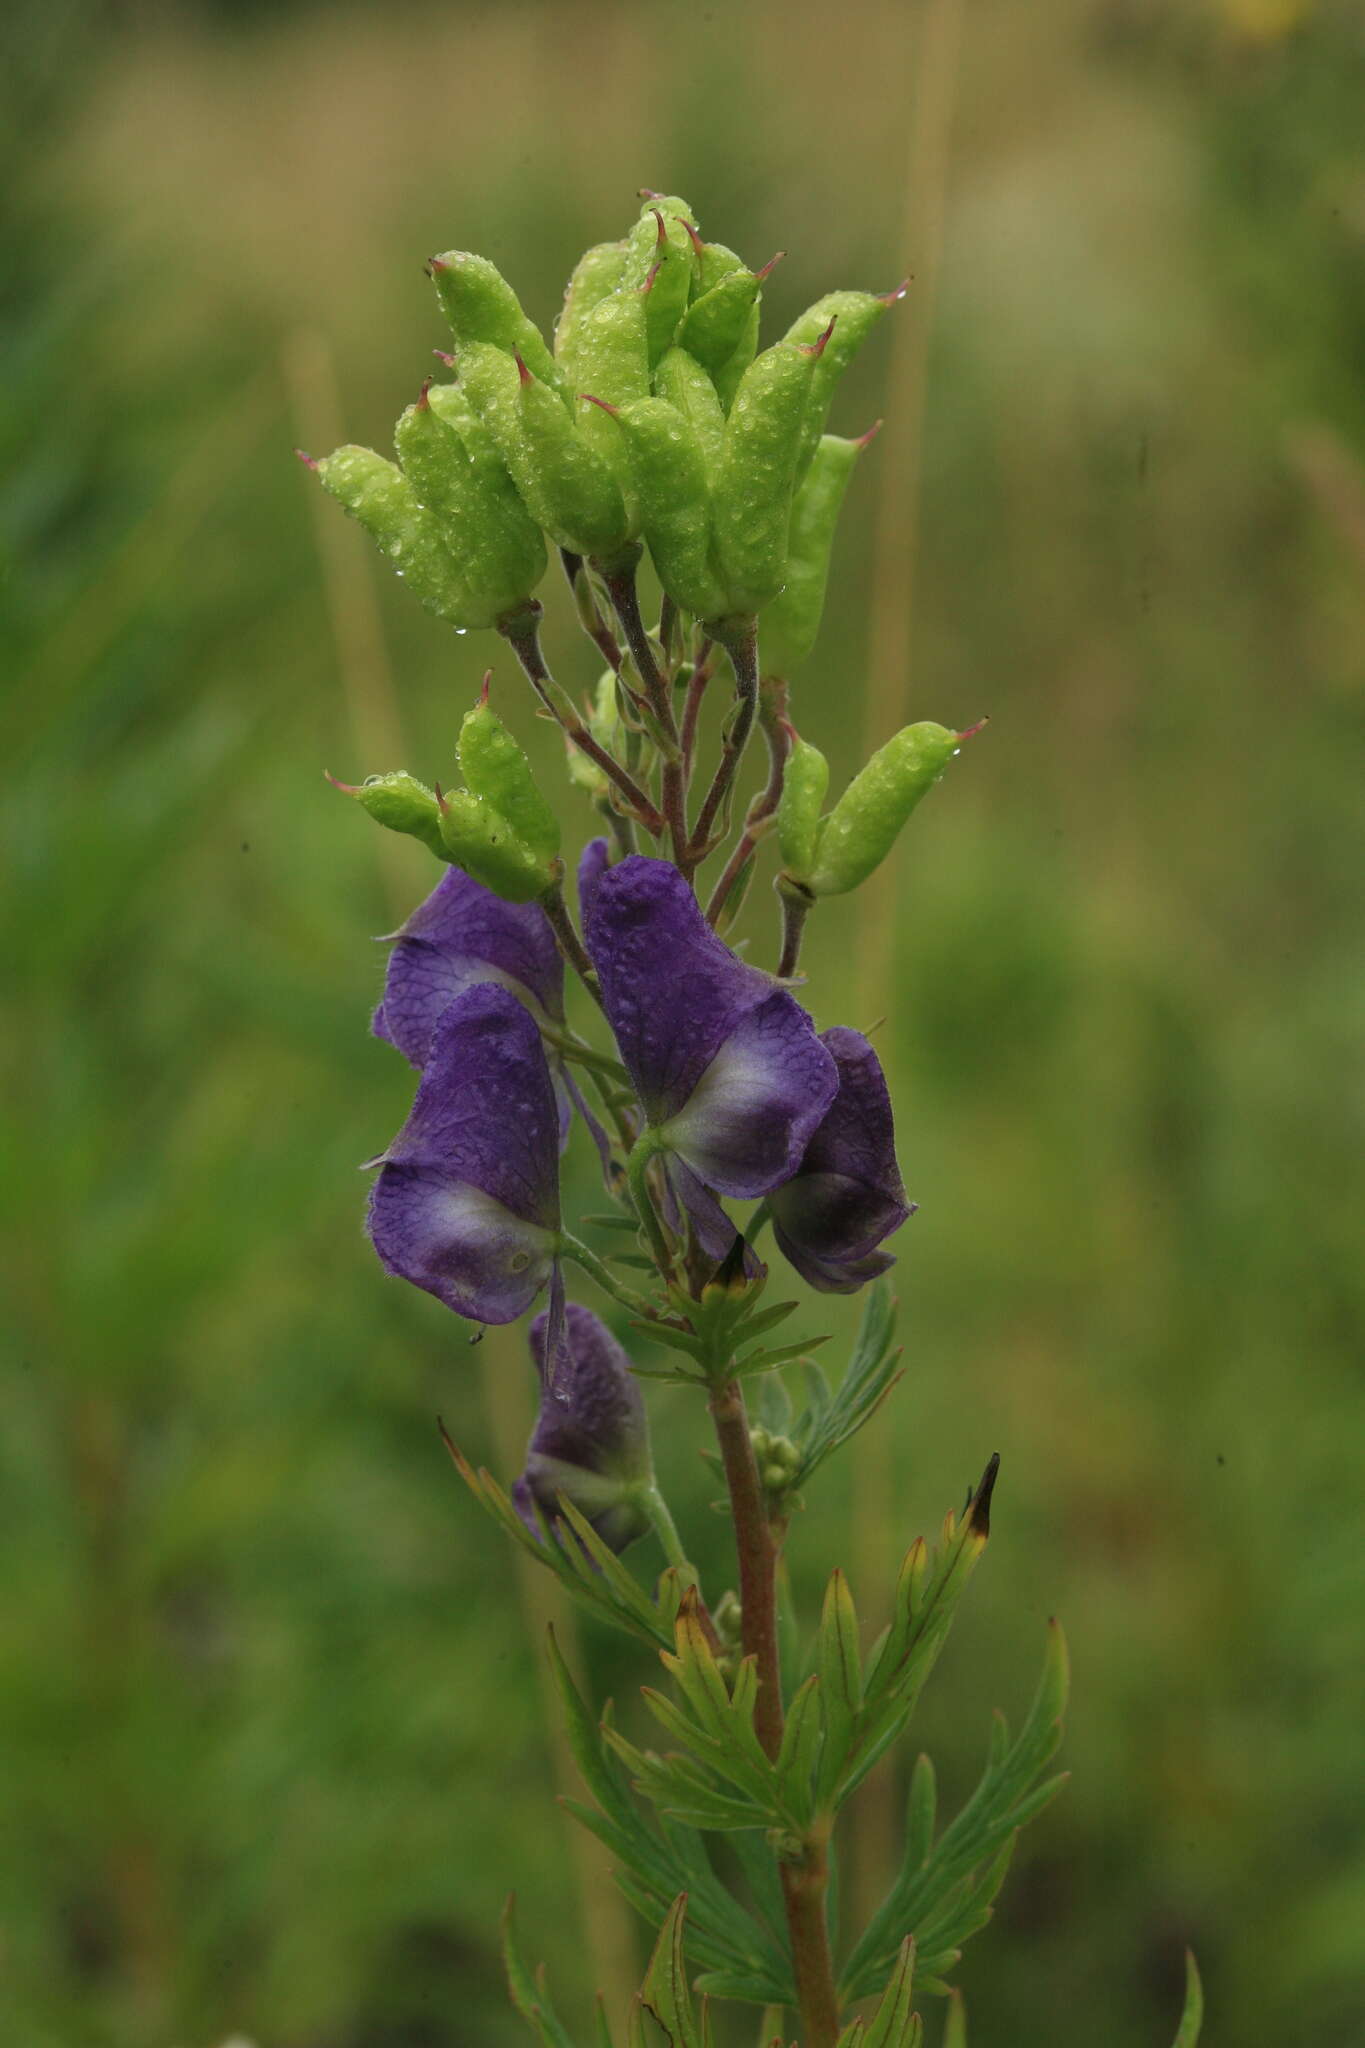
(271, 1716)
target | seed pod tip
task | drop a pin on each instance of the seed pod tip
(346, 788)
(443, 355)
(816, 348)
(971, 730)
(866, 440)
(601, 403)
(898, 291)
(770, 265)
(308, 461)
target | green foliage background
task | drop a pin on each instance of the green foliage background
(272, 1734)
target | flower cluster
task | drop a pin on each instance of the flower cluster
(732, 1094)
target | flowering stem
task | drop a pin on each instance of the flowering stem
(666, 1529)
(742, 648)
(591, 620)
(805, 1881)
(573, 1048)
(796, 908)
(672, 788)
(696, 690)
(637, 1167)
(522, 635)
(570, 945)
(760, 811)
(571, 1248)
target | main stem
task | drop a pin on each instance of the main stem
(806, 1880)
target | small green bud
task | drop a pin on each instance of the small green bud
(863, 826)
(603, 724)
(804, 783)
(400, 802)
(477, 838)
(495, 769)
(774, 1477)
(481, 306)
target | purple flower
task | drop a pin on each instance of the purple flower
(462, 935)
(729, 1071)
(591, 1440)
(467, 1201)
(846, 1195)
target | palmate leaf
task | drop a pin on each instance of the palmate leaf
(830, 1419)
(943, 1892)
(657, 1862)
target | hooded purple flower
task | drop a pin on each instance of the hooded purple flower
(464, 934)
(846, 1194)
(467, 1201)
(591, 1439)
(731, 1075)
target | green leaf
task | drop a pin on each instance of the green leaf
(895, 2023)
(841, 1682)
(666, 1992)
(829, 1420)
(944, 1896)
(1192, 2019)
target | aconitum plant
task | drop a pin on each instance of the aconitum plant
(732, 1135)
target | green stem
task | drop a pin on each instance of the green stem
(741, 645)
(796, 908)
(573, 1248)
(637, 1166)
(666, 1529)
(761, 1215)
(570, 945)
(573, 1048)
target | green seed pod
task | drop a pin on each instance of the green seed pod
(376, 493)
(596, 274)
(481, 306)
(477, 838)
(495, 769)
(804, 783)
(862, 828)
(564, 485)
(450, 404)
(402, 803)
(753, 494)
(671, 489)
(681, 379)
(730, 375)
(854, 314)
(792, 621)
(715, 324)
(662, 261)
(610, 360)
(498, 546)
(714, 263)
